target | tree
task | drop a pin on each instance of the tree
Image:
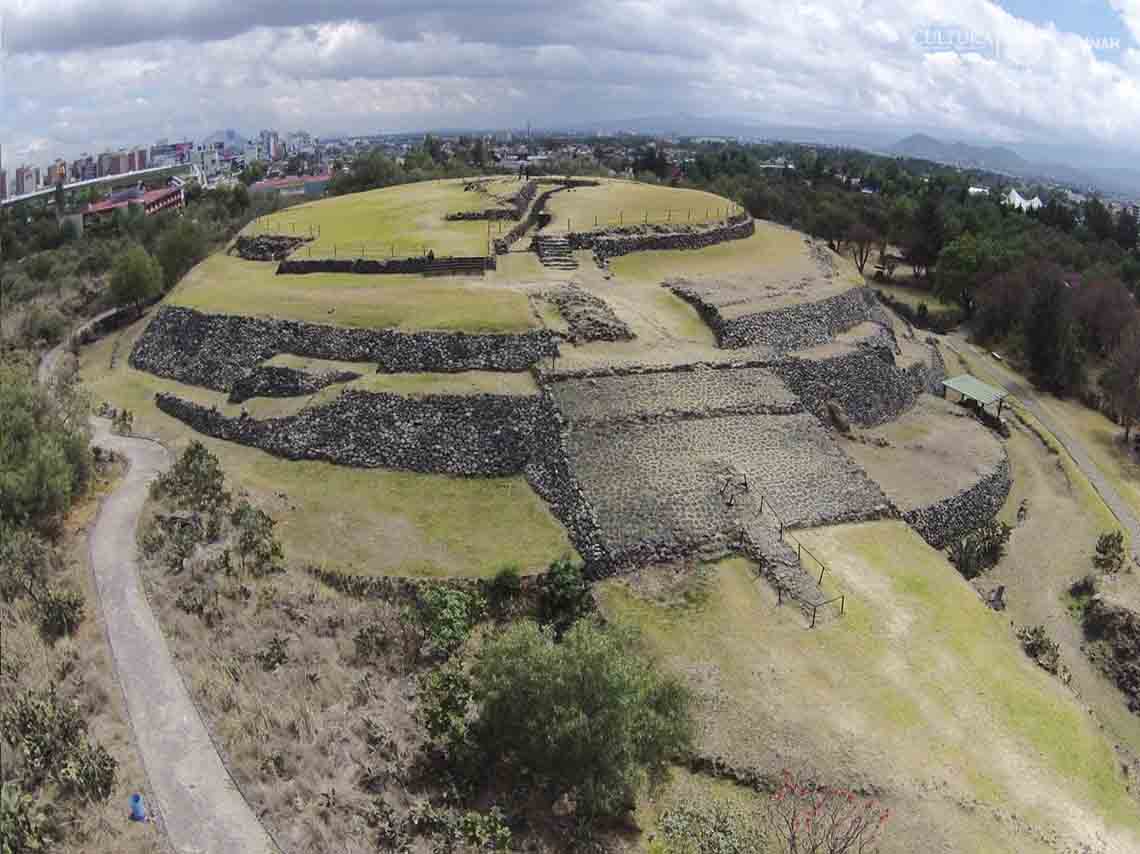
(135, 277)
(1121, 379)
(591, 716)
(195, 482)
(44, 456)
(1098, 218)
(181, 247)
(925, 235)
(1126, 229)
(258, 548)
(1051, 341)
(803, 818)
(860, 240)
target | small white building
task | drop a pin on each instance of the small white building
(978, 191)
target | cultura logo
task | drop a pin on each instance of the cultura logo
(957, 39)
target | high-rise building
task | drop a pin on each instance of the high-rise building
(3, 184)
(57, 173)
(25, 180)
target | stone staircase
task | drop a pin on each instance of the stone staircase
(555, 252)
(781, 565)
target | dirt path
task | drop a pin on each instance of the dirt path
(202, 809)
(1024, 392)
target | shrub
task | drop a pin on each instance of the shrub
(980, 549)
(447, 616)
(135, 277)
(274, 655)
(485, 831)
(371, 641)
(565, 596)
(45, 325)
(23, 825)
(1110, 552)
(43, 727)
(711, 830)
(1040, 647)
(258, 550)
(59, 612)
(195, 482)
(88, 771)
(24, 561)
(445, 700)
(39, 267)
(505, 588)
(589, 715)
(802, 817)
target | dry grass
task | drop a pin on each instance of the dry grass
(82, 665)
(622, 202)
(370, 521)
(919, 689)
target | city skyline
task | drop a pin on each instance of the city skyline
(1050, 73)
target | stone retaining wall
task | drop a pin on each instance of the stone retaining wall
(518, 203)
(867, 384)
(373, 267)
(612, 242)
(277, 381)
(588, 317)
(954, 517)
(215, 350)
(794, 327)
(482, 435)
(267, 247)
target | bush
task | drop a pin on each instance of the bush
(505, 588)
(59, 612)
(590, 715)
(711, 830)
(274, 655)
(23, 825)
(980, 549)
(445, 700)
(565, 596)
(24, 561)
(258, 550)
(195, 482)
(88, 771)
(1110, 552)
(43, 325)
(39, 267)
(371, 641)
(447, 616)
(1040, 647)
(44, 728)
(180, 248)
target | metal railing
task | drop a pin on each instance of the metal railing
(782, 591)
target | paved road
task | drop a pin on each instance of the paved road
(203, 811)
(1024, 392)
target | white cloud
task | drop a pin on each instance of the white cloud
(75, 75)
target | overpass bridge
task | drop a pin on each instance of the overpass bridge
(112, 180)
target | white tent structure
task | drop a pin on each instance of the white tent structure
(1016, 200)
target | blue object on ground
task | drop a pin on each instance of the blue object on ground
(138, 811)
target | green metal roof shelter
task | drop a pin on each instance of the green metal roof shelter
(972, 388)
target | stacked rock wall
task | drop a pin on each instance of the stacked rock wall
(518, 203)
(466, 435)
(866, 383)
(612, 242)
(267, 247)
(954, 517)
(215, 351)
(277, 381)
(389, 266)
(588, 317)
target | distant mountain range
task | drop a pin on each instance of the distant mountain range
(1007, 162)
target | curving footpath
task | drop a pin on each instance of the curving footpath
(202, 809)
(1021, 389)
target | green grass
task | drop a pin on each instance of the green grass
(403, 220)
(229, 285)
(370, 521)
(620, 202)
(913, 297)
(933, 682)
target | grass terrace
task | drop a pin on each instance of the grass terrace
(367, 521)
(618, 202)
(919, 689)
(226, 284)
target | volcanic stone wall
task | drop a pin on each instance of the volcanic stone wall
(267, 247)
(215, 350)
(954, 517)
(518, 204)
(611, 242)
(794, 327)
(467, 435)
(588, 317)
(277, 381)
(389, 266)
(867, 384)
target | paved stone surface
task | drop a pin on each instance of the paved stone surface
(662, 394)
(660, 487)
(201, 808)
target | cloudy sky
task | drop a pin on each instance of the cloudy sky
(79, 75)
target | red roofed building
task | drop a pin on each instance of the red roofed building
(151, 202)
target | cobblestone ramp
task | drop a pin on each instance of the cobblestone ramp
(780, 564)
